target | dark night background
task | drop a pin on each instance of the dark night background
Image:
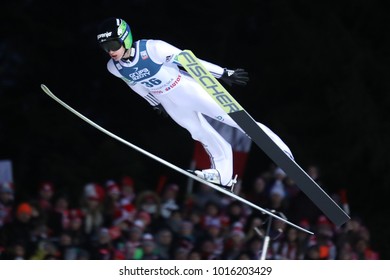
(319, 78)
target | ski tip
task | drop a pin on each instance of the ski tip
(44, 88)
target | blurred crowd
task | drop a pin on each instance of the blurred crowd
(114, 220)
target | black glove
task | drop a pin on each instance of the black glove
(160, 110)
(238, 76)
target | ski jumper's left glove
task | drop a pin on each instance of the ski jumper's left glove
(238, 76)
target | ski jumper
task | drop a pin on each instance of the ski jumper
(155, 75)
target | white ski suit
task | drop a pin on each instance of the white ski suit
(153, 74)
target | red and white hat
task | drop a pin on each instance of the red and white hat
(112, 187)
(237, 229)
(94, 191)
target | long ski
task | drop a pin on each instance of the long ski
(223, 98)
(170, 165)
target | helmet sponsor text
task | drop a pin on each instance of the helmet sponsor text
(104, 35)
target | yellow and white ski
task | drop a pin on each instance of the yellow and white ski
(223, 98)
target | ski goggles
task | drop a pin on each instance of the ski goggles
(111, 45)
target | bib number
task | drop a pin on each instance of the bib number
(151, 82)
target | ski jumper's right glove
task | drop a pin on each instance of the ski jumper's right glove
(238, 76)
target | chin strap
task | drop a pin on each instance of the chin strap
(129, 54)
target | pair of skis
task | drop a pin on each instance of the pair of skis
(192, 65)
(168, 164)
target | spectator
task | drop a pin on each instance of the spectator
(169, 200)
(204, 194)
(254, 247)
(18, 252)
(93, 205)
(212, 211)
(66, 247)
(58, 218)
(235, 242)
(252, 222)
(6, 202)
(112, 204)
(133, 242)
(185, 235)
(146, 219)
(324, 239)
(128, 194)
(236, 212)
(46, 249)
(215, 234)
(364, 252)
(346, 252)
(277, 198)
(194, 255)
(174, 222)
(102, 248)
(288, 248)
(257, 193)
(303, 238)
(18, 233)
(45, 196)
(149, 202)
(164, 244)
(350, 232)
(75, 228)
(312, 253)
(207, 250)
(181, 253)
(195, 216)
(148, 246)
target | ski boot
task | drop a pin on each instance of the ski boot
(212, 176)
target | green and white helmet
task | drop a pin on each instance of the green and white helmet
(114, 33)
